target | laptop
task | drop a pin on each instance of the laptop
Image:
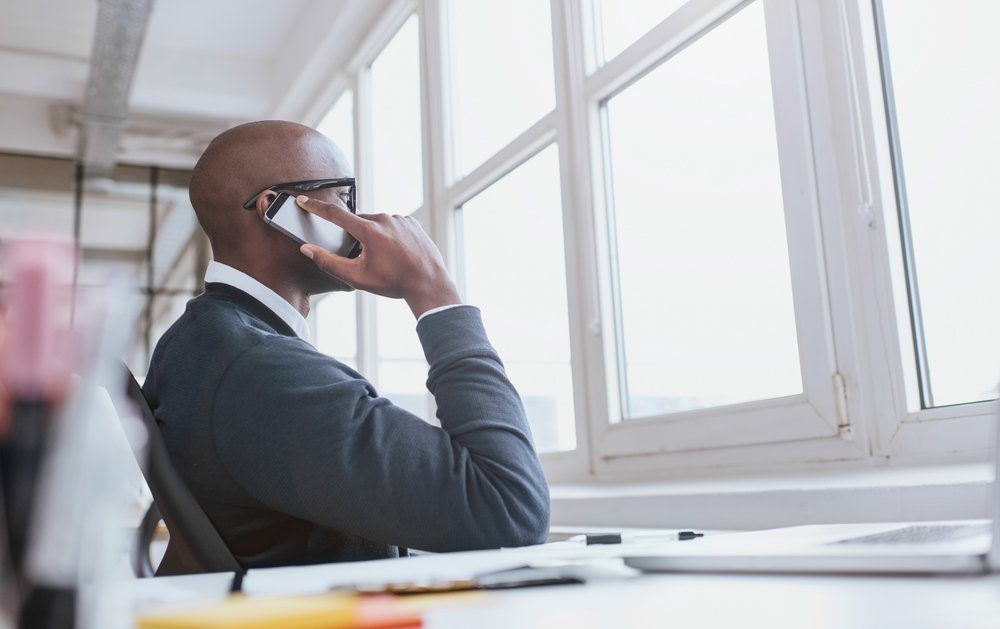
(957, 547)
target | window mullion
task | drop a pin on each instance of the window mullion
(367, 341)
(437, 127)
(586, 351)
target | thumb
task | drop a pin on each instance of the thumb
(340, 267)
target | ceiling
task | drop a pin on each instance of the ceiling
(203, 66)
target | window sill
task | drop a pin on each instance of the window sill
(758, 502)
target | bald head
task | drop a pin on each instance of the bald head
(241, 163)
(245, 160)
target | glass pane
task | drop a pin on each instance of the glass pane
(523, 296)
(498, 89)
(336, 326)
(947, 98)
(402, 370)
(396, 327)
(396, 154)
(624, 21)
(402, 381)
(338, 124)
(705, 293)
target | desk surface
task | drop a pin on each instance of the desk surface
(682, 600)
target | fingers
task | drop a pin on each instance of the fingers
(346, 269)
(336, 214)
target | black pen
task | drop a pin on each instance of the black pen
(593, 539)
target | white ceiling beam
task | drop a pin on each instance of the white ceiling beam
(57, 27)
(25, 74)
(191, 83)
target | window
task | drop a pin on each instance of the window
(336, 327)
(397, 181)
(402, 370)
(705, 300)
(501, 73)
(515, 273)
(679, 253)
(335, 315)
(942, 103)
(338, 125)
(395, 127)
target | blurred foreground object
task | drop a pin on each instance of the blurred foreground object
(35, 374)
(58, 472)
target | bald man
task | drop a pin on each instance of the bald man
(294, 456)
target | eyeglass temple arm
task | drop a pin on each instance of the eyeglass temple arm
(300, 186)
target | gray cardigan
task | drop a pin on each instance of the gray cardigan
(296, 458)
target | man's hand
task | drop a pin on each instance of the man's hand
(398, 258)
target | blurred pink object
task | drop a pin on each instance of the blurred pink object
(37, 355)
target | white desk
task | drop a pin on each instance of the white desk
(772, 601)
(742, 601)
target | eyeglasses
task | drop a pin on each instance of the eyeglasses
(309, 186)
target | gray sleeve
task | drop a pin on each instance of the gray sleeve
(306, 436)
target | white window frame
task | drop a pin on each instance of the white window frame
(959, 432)
(814, 414)
(840, 224)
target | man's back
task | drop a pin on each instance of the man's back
(295, 458)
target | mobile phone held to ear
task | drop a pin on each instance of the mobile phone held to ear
(285, 215)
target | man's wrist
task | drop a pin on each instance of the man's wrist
(434, 311)
(445, 294)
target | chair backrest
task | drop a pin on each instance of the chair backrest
(195, 545)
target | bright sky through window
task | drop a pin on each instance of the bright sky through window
(336, 327)
(397, 180)
(397, 176)
(501, 73)
(624, 21)
(336, 313)
(338, 125)
(515, 272)
(947, 97)
(706, 300)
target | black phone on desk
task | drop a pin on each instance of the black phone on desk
(285, 215)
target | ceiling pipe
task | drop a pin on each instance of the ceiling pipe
(121, 27)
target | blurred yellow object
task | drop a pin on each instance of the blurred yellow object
(333, 611)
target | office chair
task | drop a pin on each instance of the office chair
(195, 545)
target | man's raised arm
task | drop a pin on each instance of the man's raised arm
(325, 448)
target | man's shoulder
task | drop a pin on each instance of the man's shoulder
(253, 343)
(209, 319)
(209, 311)
(216, 348)
(212, 333)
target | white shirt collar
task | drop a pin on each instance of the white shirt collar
(225, 274)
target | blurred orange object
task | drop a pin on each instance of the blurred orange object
(331, 611)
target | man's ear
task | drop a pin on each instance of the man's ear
(264, 201)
